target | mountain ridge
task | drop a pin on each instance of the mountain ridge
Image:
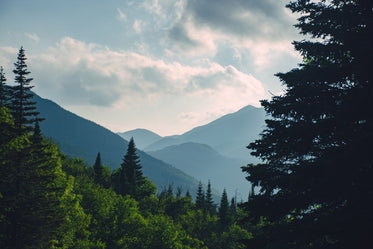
(79, 137)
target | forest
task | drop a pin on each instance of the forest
(312, 188)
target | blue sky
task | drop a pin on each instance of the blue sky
(163, 65)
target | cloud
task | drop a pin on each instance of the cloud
(137, 26)
(260, 28)
(89, 78)
(121, 16)
(84, 73)
(33, 37)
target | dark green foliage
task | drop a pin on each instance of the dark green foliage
(31, 186)
(200, 197)
(22, 107)
(224, 211)
(48, 200)
(128, 179)
(98, 170)
(4, 89)
(209, 203)
(317, 168)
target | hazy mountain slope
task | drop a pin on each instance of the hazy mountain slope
(142, 137)
(204, 163)
(229, 135)
(79, 137)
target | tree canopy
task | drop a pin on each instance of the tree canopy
(315, 176)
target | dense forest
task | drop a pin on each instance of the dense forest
(313, 186)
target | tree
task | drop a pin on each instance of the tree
(210, 207)
(4, 89)
(22, 107)
(131, 179)
(31, 186)
(224, 211)
(200, 198)
(316, 166)
(97, 168)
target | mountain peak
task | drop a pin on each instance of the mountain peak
(142, 137)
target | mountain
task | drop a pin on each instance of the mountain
(204, 163)
(142, 137)
(229, 135)
(79, 137)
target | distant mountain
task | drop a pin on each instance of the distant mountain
(78, 137)
(204, 163)
(142, 137)
(229, 135)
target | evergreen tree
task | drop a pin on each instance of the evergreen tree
(209, 203)
(317, 168)
(22, 107)
(224, 212)
(233, 207)
(200, 198)
(188, 195)
(131, 177)
(98, 170)
(31, 187)
(4, 89)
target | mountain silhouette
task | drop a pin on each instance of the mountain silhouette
(79, 137)
(228, 135)
(142, 137)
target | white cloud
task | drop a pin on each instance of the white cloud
(121, 16)
(88, 77)
(33, 37)
(109, 75)
(137, 26)
(262, 29)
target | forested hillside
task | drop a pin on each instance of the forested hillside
(49, 200)
(79, 137)
(313, 180)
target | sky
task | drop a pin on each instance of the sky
(163, 65)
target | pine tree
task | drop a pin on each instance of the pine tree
(224, 212)
(4, 89)
(131, 177)
(209, 203)
(233, 207)
(200, 198)
(22, 107)
(98, 170)
(317, 169)
(31, 187)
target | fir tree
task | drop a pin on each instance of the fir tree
(22, 107)
(31, 187)
(131, 177)
(200, 198)
(98, 170)
(224, 212)
(233, 207)
(209, 203)
(4, 89)
(316, 165)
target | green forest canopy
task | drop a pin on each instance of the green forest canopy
(314, 181)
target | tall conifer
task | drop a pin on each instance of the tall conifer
(209, 203)
(22, 107)
(200, 197)
(316, 165)
(98, 170)
(224, 211)
(4, 89)
(131, 177)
